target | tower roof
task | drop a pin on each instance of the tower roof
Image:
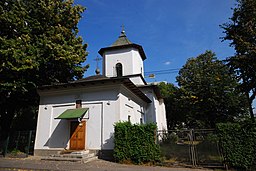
(121, 43)
(122, 40)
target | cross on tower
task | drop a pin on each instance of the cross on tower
(122, 28)
(97, 59)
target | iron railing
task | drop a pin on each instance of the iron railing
(22, 141)
(194, 147)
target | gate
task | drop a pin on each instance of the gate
(194, 148)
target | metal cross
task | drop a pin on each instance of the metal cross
(97, 59)
(122, 28)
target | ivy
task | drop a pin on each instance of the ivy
(136, 143)
(238, 144)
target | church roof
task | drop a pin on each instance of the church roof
(98, 80)
(121, 43)
(155, 88)
(90, 78)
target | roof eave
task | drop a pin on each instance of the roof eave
(155, 89)
(139, 47)
(126, 81)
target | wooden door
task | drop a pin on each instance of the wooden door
(77, 135)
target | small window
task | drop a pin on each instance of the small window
(129, 118)
(119, 70)
(141, 121)
(78, 103)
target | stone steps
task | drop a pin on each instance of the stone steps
(82, 156)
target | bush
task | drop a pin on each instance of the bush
(136, 143)
(238, 144)
(169, 138)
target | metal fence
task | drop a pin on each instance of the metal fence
(190, 147)
(19, 141)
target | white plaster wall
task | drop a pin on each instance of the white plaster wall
(161, 115)
(103, 105)
(46, 124)
(107, 105)
(131, 106)
(150, 112)
(110, 117)
(138, 62)
(129, 58)
(93, 125)
(156, 110)
(59, 128)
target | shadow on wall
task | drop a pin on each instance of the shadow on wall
(92, 96)
(107, 151)
(60, 136)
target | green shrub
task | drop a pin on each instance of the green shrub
(169, 138)
(238, 144)
(15, 151)
(136, 143)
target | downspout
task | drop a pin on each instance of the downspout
(101, 131)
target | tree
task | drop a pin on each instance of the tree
(209, 89)
(241, 31)
(176, 110)
(39, 46)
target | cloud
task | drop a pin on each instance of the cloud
(167, 63)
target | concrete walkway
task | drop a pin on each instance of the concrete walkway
(33, 163)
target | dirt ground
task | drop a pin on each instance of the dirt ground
(33, 163)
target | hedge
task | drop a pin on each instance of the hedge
(238, 144)
(136, 143)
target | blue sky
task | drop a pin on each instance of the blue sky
(170, 31)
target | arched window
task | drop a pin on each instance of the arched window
(119, 70)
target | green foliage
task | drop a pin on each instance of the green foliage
(169, 138)
(241, 31)
(39, 46)
(208, 92)
(174, 104)
(15, 151)
(136, 143)
(238, 143)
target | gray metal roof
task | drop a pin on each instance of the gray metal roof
(122, 40)
(98, 80)
(121, 43)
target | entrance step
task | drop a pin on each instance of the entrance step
(74, 156)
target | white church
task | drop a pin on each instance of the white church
(80, 115)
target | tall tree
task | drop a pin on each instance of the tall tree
(209, 89)
(175, 110)
(241, 31)
(39, 45)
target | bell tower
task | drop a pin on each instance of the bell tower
(122, 58)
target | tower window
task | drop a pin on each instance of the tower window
(119, 70)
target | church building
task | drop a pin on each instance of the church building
(80, 115)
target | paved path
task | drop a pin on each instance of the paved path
(32, 163)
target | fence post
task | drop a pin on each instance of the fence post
(17, 141)
(6, 145)
(29, 140)
(192, 147)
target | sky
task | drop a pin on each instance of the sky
(170, 31)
